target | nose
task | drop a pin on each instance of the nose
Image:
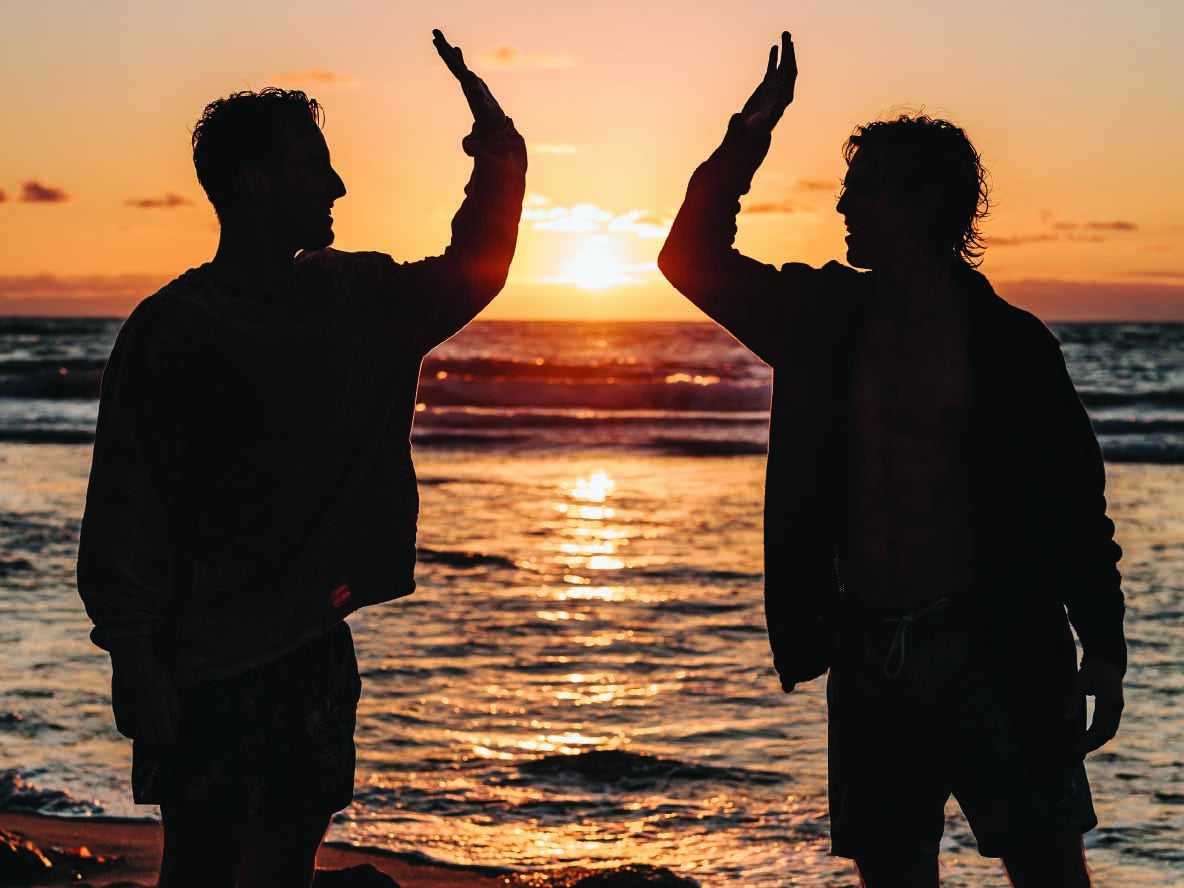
(843, 203)
(338, 186)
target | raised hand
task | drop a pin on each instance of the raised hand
(773, 94)
(487, 113)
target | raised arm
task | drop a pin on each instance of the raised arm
(743, 295)
(453, 288)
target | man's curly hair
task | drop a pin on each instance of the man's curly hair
(922, 154)
(247, 129)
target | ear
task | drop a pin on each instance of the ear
(256, 184)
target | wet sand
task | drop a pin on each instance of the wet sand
(139, 844)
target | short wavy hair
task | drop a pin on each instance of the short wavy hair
(922, 154)
(247, 129)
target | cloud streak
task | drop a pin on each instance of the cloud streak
(769, 207)
(166, 201)
(35, 192)
(1091, 231)
(552, 149)
(505, 56)
(588, 218)
(816, 185)
(318, 76)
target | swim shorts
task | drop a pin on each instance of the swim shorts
(278, 739)
(914, 717)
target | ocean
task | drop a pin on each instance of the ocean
(583, 676)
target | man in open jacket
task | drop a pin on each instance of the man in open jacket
(252, 482)
(934, 505)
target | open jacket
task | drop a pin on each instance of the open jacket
(1044, 556)
(252, 481)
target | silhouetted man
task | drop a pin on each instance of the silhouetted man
(252, 482)
(934, 503)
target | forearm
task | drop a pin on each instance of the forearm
(485, 228)
(698, 257)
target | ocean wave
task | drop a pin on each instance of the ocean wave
(1150, 399)
(17, 795)
(47, 436)
(451, 558)
(599, 395)
(1124, 450)
(636, 771)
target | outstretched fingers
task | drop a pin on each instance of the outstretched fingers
(451, 55)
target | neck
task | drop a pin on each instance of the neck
(253, 257)
(922, 286)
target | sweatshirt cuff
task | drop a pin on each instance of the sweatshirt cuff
(108, 637)
(1107, 646)
(480, 138)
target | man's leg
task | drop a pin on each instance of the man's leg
(1055, 863)
(281, 852)
(898, 871)
(200, 850)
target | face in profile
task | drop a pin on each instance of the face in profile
(304, 191)
(883, 230)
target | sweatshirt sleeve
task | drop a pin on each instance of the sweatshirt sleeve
(125, 556)
(752, 300)
(446, 292)
(1085, 553)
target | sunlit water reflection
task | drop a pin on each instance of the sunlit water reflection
(583, 676)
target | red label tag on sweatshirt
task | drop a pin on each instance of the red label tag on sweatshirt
(340, 595)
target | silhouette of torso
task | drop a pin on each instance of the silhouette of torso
(907, 529)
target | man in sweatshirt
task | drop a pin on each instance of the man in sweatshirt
(252, 482)
(934, 505)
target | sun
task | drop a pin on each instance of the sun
(597, 262)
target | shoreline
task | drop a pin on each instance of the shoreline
(138, 842)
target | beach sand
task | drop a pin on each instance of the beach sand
(138, 843)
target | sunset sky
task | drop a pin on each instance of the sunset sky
(1076, 108)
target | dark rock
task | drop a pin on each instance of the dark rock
(638, 875)
(362, 876)
(21, 862)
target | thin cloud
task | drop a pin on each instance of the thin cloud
(512, 57)
(588, 218)
(1016, 240)
(167, 201)
(1164, 273)
(552, 149)
(90, 295)
(1058, 300)
(1116, 225)
(816, 185)
(769, 207)
(35, 192)
(3, 195)
(319, 76)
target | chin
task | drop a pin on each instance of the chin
(318, 240)
(856, 260)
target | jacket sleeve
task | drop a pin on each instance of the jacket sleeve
(754, 301)
(1084, 553)
(448, 291)
(125, 562)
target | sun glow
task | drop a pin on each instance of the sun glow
(597, 262)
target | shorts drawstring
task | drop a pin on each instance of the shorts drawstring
(902, 627)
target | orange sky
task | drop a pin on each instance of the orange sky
(1074, 108)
